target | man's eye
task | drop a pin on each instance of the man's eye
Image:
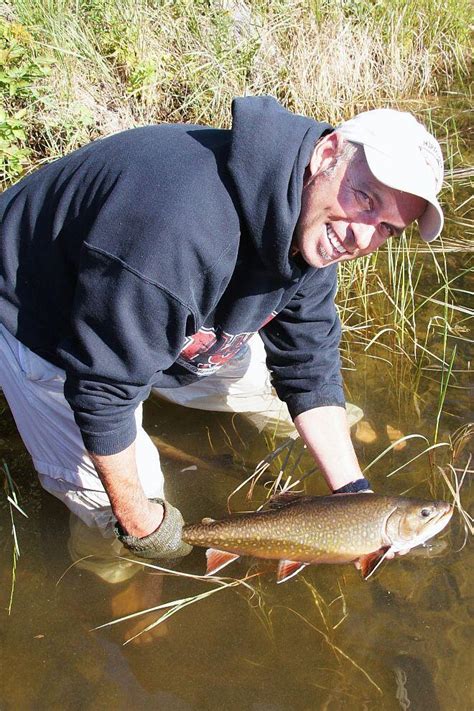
(364, 200)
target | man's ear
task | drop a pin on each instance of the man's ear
(326, 152)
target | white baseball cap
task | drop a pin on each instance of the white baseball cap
(402, 155)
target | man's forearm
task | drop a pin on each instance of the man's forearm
(325, 431)
(118, 472)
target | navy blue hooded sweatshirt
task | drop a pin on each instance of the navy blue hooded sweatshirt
(150, 257)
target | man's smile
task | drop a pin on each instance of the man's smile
(334, 243)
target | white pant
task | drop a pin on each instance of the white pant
(34, 389)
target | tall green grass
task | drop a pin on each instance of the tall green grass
(97, 66)
(75, 70)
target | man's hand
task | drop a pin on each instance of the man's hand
(150, 520)
(165, 543)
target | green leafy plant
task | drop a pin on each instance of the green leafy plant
(20, 72)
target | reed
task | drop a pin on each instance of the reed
(168, 609)
(10, 492)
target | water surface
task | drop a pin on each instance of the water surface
(324, 640)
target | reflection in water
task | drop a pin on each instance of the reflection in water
(90, 550)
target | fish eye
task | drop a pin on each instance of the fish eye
(425, 513)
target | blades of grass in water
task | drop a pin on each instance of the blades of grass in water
(445, 378)
(261, 467)
(175, 606)
(392, 446)
(413, 459)
(337, 650)
(455, 487)
(11, 497)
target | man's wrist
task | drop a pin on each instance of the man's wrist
(354, 487)
(144, 522)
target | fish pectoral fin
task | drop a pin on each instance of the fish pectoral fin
(369, 563)
(288, 568)
(216, 560)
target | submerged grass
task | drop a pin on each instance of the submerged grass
(455, 482)
(410, 313)
(337, 650)
(173, 607)
(13, 505)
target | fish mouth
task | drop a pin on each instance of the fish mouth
(442, 519)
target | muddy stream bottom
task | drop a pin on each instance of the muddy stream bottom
(324, 640)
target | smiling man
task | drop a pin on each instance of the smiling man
(355, 197)
(171, 258)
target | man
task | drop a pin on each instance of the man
(150, 258)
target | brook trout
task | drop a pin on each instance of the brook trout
(306, 530)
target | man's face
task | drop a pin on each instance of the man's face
(345, 211)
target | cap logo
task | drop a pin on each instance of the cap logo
(434, 160)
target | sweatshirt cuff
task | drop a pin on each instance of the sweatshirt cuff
(105, 443)
(307, 401)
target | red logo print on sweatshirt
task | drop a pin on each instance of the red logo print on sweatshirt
(208, 350)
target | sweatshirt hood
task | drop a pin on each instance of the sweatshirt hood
(270, 149)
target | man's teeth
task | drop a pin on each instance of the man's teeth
(334, 240)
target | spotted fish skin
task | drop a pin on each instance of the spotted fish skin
(324, 529)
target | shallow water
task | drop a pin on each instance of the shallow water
(324, 640)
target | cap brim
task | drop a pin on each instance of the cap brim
(432, 220)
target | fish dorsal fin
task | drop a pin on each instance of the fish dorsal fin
(277, 501)
(216, 560)
(288, 568)
(369, 563)
(206, 520)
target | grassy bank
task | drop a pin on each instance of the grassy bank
(75, 70)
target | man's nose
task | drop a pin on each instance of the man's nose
(362, 234)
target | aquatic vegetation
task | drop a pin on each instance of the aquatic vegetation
(13, 505)
(336, 649)
(455, 473)
(176, 606)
